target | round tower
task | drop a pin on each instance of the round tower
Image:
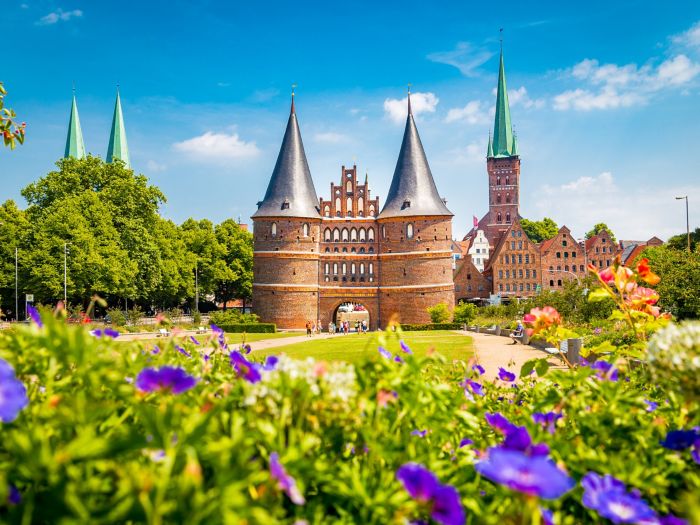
(286, 235)
(415, 237)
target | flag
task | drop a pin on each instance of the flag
(476, 222)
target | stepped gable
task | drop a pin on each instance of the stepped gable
(413, 192)
(291, 191)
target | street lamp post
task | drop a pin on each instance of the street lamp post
(16, 287)
(65, 275)
(687, 218)
(196, 286)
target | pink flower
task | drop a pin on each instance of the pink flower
(541, 318)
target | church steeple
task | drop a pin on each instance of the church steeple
(75, 147)
(291, 191)
(118, 148)
(503, 142)
(412, 191)
(489, 149)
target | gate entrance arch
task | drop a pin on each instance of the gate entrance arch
(354, 316)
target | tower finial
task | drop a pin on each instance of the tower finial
(74, 88)
(500, 32)
(293, 87)
(409, 99)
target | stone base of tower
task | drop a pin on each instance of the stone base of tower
(410, 306)
(287, 308)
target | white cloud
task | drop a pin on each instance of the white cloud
(330, 137)
(475, 112)
(397, 109)
(155, 167)
(610, 86)
(689, 38)
(464, 57)
(632, 211)
(59, 16)
(217, 146)
(520, 97)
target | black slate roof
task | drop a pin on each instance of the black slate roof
(413, 191)
(291, 191)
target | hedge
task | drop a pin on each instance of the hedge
(251, 328)
(431, 326)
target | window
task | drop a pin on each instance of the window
(336, 235)
(345, 250)
(363, 235)
(327, 210)
(563, 243)
(507, 198)
(371, 210)
(521, 287)
(348, 186)
(527, 272)
(520, 233)
(371, 268)
(528, 287)
(327, 268)
(352, 268)
(507, 180)
(362, 268)
(520, 245)
(573, 268)
(580, 268)
(409, 231)
(327, 235)
(337, 206)
(604, 248)
(507, 287)
(353, 235)
(273, 229)
(551, 268)
(500, 274)
(527, 258)
(305, 229)
(345, 235)
(566, 268)
(507, 259)
(534, 273)
(335, 268)
(558, 255)
(551, 282)
(512, 245)
(566, 255)
(370, 234)
(508, 218)
(498, 218)
(520, 273)
(597, 250)
(362, 250)
(498, 181)
(573, 255)
(345, 268)
(384, 231)
(507, 274)
(520, 259)
(500, 287)
(348, 207)
(360, 205)
(512, 234)
(558, 282)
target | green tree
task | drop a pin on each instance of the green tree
(9, 129)
(440, 313)
(464, 313)
(680, 241)
(238, 256)
(14, 227)
(174, 266)
(598, 228)
(538, 231)
(680, 280)
(207, 253)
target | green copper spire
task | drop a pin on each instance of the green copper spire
(75, 147)
(489, 150)
(502, 129)
(515, 145)
(118, 148)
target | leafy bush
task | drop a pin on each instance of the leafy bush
(222, 317)
(135, 315)
(464, 313)
(431, 326)
(196, 318)
(440, 313)
(252, 328)
(117, 317)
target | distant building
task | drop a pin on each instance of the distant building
(600, 250)
(479, 250)
(563, 259)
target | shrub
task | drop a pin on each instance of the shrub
(464, 313)
(116, 317)
(197, 317)
(135, 315)
(222, 317)
(440, 313)
(252, 328)
(431, 326)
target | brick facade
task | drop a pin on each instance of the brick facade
(470, 283)
(601, 250)
(563, 259)
(514, 266)
(504, 196)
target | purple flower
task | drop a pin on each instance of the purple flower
(14, 497)
(422, 485)
(405, 347)
(13, 394)
(597, 331)
(465, 442)
(680, 439)
(499, 422)
(194, 340)
(609, 498)
(245, 369)
(504, 375)
(270, 362)
(532, 475)
(419, 433)
(107, 332)
(384, 352)
(182, 351)
(547, 516)
(475, 387)
(478, 368)
(156, 350)
(605, 370)
(166, 378)
(285, 482)
(547, 420)
(220, 336)
(518, 438)
(33, 313)
(670, 520)
(651, 405)
(398, 359)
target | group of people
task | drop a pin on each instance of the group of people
(343, 327)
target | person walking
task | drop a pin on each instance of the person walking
(308, 328)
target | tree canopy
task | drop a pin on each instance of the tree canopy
(680, 280)
(598, 228)
(118, 246)
(680, 241)
(538, 231)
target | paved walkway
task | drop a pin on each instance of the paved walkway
(284, 341)
(492, 351)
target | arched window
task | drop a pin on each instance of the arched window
(498, 180)
(345, 269)
(371, 210)
(273, 229)
(349, 206)
(498, 199)
(328, 250)
(409, 231)
(335, 268)
(362, 268)
(384, 231)
(337, 205)
(336, 235)
(348, 186)
(507, 180)
(508, 217)
(327, 210)
(371, 268)
(362, 250)
(363, 235)
(344, 235)
(305, 229)
(507, 198)
(327, 268)
(353, 250)
(345, 250)
(498, 217)
(335, 250)
(370, 234)
(353, 235)
(360, 205)
(352, 268)
(371, 249)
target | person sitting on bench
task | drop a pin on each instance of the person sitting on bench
(518, 332)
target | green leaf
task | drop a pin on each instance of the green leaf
(598, 294)
(528, 367)
(541, 367)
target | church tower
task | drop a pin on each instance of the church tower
(415, 237)
(503, 167)
(118, 148)
(286, 235)
(75, 147)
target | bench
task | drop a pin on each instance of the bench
(523, 339)
(494, 330)
(201, 330)
(163, 333)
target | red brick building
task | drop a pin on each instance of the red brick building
(311, 255)
(563, 259)
(601, 250)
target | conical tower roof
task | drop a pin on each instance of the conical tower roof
(291, 191)
(412, 191)
(502, 127)
(118, 148)
(75, 147)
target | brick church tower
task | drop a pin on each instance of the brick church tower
(286, 235)
(503, 167)
(415, 237)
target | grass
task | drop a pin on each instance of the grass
(249, 338)
(354, 347)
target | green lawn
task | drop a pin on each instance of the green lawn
(249, 338)
(353, 347)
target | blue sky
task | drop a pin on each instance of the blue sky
(605, 99)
